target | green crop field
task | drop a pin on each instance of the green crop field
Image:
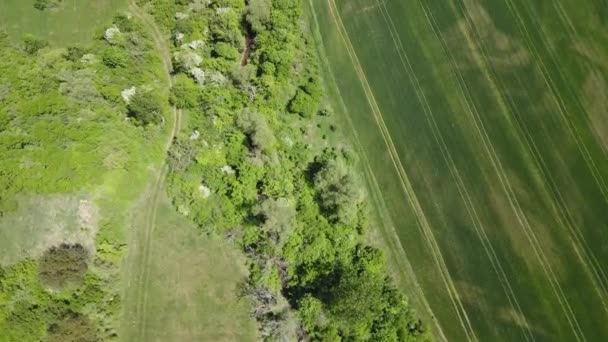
(72, 21)
(483, 129)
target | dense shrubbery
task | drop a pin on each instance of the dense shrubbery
(28, 312)
(44, 4)
(145, 108)
(295, 208)
(72, 327)
(63, 265)
(63, 129)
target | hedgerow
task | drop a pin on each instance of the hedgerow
(297, 210)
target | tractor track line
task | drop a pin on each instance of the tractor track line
(557, 98)
(460, 185)
(575, 37)
(551, 193)
(143, 275)
(464, 194)
(523, 220)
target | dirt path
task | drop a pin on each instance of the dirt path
(140, 267)
(249, 41)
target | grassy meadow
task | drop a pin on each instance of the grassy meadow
(483, 131)
(189, 290)
(73, 21)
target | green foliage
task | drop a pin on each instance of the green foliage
(163, 12)
(226, 51)
(74, 53)
(306, 100)
(185, 93)
(184, 26)
(299, 218)
(257, 129)
(63, 265)
(41, 5)
(278, 219)
(123, 23)
(32, 44)
(302, 104)
(146, 108)
(358, 296)
(277, 48)
(72, 327)
(338, 191)
(258, 13)
(28, 312)
(62, 134)
(310, 310)
(114, 57)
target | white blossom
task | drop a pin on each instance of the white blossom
(196, 44)
(204, 190)
(111, 33)
(192, 60)
(288, 141)
(195, 135)
(216, 78)
(228, 170)
(180, 15)
(88, 58)
(183, 210)
(198, 74)
(126, 94)
(179, 37)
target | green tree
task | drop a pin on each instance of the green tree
(356, 300)
(226, 51)
(310, 310)
(32, 44)
(257, 129)
(307, 98)
(74, 53)
(114, 57)
(303, 104)
(278, 216)
(185, 92)
(184, 26)
(145, 108)
(63, 265)
(258, 13)
(72, 327)
(41, 4)
(338, 191)
(123, 23)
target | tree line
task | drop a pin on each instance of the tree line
(292, 201)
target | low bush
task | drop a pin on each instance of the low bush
(63, 265)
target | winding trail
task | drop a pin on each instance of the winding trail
(141, 269)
